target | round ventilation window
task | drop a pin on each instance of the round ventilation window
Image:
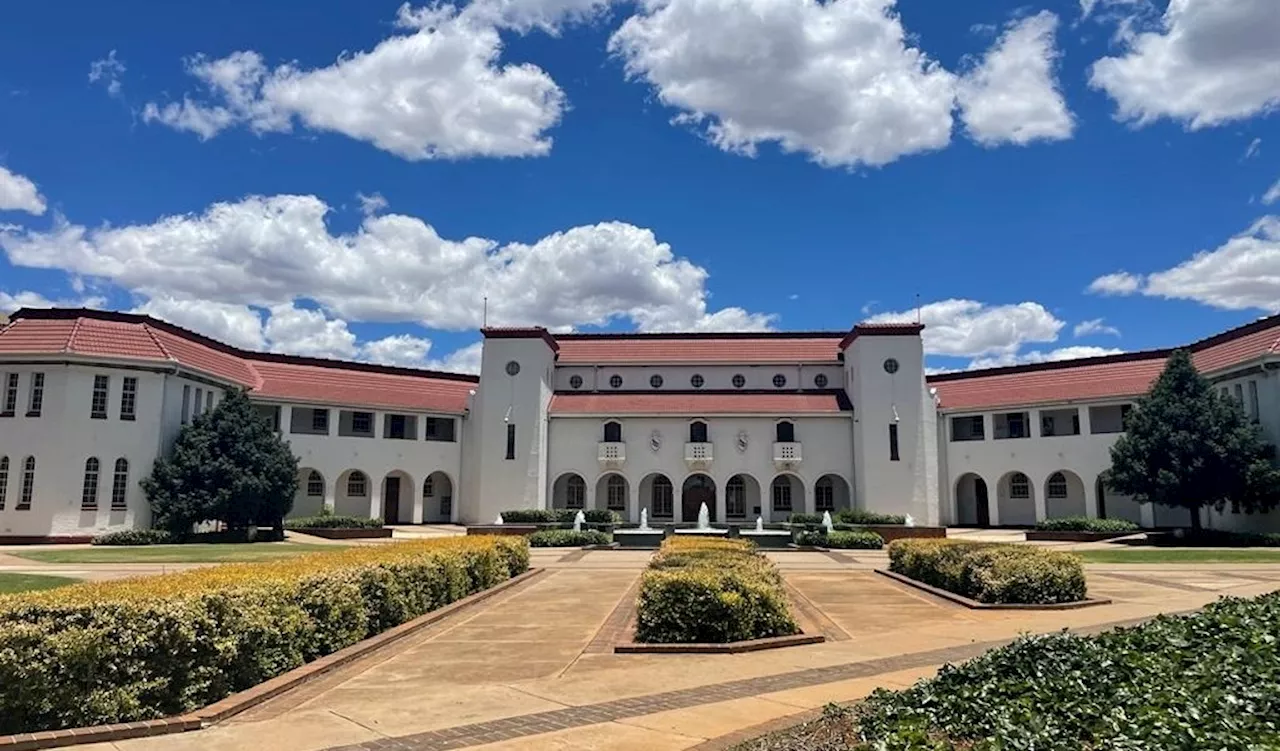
(820, 380)
(655, 381)
(575, 382)
(615, 381)
(779, 381)
(891, 366)
(696, 381)
(739, 381)
(513, 368)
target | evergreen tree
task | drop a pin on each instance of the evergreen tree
(228, 465)
(1187, 446)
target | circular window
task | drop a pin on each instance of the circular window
(615, 381)
(779, 381)
(575, 382)
(655, 381)
(891, 365)
(739, 381)
(820, 380)
(513, 368)
(696, 381)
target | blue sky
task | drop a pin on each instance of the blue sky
(710, 164)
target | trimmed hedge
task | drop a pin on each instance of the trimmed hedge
(856, 516)
(992, 573)
(699, 591)
(332, 521)
(150, 647)
(1085, 524)
(806, 519)
(558, 516)
(135, 537)
(1221, 538)
(855, 540)
(1210, 680)
(567, 538)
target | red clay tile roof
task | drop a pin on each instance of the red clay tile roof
(124, 336)
(616, 349)
(1114, 376)
(736, 403)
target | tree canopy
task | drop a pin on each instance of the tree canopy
(228, 465)
(1187, 446)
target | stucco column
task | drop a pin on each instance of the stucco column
(589, 501)
(375, 500)
(993, 504)
(330, 495)
(419, 503)
(633, 501)
(721, 506)
(677, 495)
(1040, 494)
(1147, 513)
(1090, 498)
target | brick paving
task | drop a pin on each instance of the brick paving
(617, 626)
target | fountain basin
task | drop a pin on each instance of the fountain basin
(698, 532)
(773, 539)
(638, 538)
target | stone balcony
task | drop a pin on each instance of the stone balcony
(611, 453)
(787, 455)
(698, 455)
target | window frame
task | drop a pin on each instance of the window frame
(615, 486)
(319, 421)
(129, 398)
(89, 489)
(10, 405)
(697, 381)
(824, 495)
(35, 395)
(779, 494)
(779, 381)
(120, 485)
(663, 504)
(511, 442)
(102, 396)
(605, 431)
(739, 381)
(735, 498)
(615, 381)
(28, 487)
(1016, 480)
(894, 454)
(784, 431)
(820, 380)
(314, 477)
(575, 492)
(360, 480)
(4, 480)
(694, 431)
(1057, 483)
(656, 381)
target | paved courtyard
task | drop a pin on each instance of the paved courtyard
(533, 667)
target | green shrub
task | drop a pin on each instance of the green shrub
(1210, 680)
(332, 521)
(1085, 524)
(856, 540)
(811, 538)
(148, 647)
(567, 538)
(711, 591)
(857, 516)
(134, 537)
(991, 573)
(558, 515)
(804, 519)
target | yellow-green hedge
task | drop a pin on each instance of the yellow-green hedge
(711, 591)
(991, 573)
(149, 647)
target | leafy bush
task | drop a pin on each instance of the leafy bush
(149, 647)
(711, 591)
(991, 573)
(567, 538)
(804, 519)
(558, 515)
(1210, 680)
(134, 537)
(1221, 538)
(1085, 524)
(858, 539)
(857, 516)
(332, 521)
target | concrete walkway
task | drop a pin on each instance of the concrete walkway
(533, 667)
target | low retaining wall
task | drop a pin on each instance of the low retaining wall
(502, 529)
(891, 532)
(34, 540)
(975, 605)
(1043, 535)
(345, 533)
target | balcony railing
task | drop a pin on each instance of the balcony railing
(612, 453)
(698, 455)
(787, 454)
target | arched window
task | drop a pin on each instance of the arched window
(315, 485)
(697, 432)
(4, 480)
(89, 492)
(1019, 486)
(1057, 485)
(613, 432)
(661, 497)
(735, 496)
(575, 492)
(786, 432)
(616, 493)
(428, 487)
(824, 495)
(357, 485)
(782, 494)
(120, 486)
(28, 484)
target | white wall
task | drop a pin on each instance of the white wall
(715, 377)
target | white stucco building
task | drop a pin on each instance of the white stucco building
(751, 424)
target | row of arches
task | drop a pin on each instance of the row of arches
(1021, 502)
(395, 497)
(739, 498)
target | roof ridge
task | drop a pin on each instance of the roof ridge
(71, 335)
(157, 342)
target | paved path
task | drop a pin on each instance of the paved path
(532, 668)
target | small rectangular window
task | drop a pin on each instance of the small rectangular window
(511, 441)
(198, 407)
(320, 420)
(1239, 396)
(10, 395)
(440, 429)
(968, 428)
(186, 404)
(362, 422)
(208, 401)
(98, 409)
(893, 442)
(1253, 401)
(129, 398)
(395, 426)
(35, 400)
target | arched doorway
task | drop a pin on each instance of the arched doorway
(437, 499)
(972, 503)
(830, 493)
(569, 491)
(1063, 495)
(741, 498)
(786, 496)
(697, 490)
(309, 500)
(397, 498)
(658, 495)
(612, 493)
(1016, 500)
(1112, 505)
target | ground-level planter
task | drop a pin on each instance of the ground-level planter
(1044, 535)
(975, 605)
(345, 533)
(727, 648)
(891, 532)
(502, 529)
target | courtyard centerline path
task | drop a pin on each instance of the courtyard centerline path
(528, 669)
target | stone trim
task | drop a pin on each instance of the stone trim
(975, 605)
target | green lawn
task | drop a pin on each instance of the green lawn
(10, 583)
(1181, 555)
(192, 553)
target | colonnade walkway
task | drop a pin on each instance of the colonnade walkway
(533, 667)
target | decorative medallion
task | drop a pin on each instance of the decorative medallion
(655, 441)
(742, 441)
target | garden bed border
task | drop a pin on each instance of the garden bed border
(1046, 535)
(344, 533)
(255, 695)
(728, 648)
(975, 605)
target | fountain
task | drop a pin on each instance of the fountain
(644, 521)
(826, 522)
(642, 536)
(704, 528)
(766, 538)
(910, 522)
(578, 519)
(759, 524)
(498, 522)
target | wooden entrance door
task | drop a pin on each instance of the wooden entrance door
(391, 500)
(697, 490)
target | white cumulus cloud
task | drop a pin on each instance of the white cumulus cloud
(1034, 356)
(1273, 194)
(10, 302)
(18, 193)
(108, 71)
(1094, 327)
(1242, 273)
(968, 328)
(1117, 283)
